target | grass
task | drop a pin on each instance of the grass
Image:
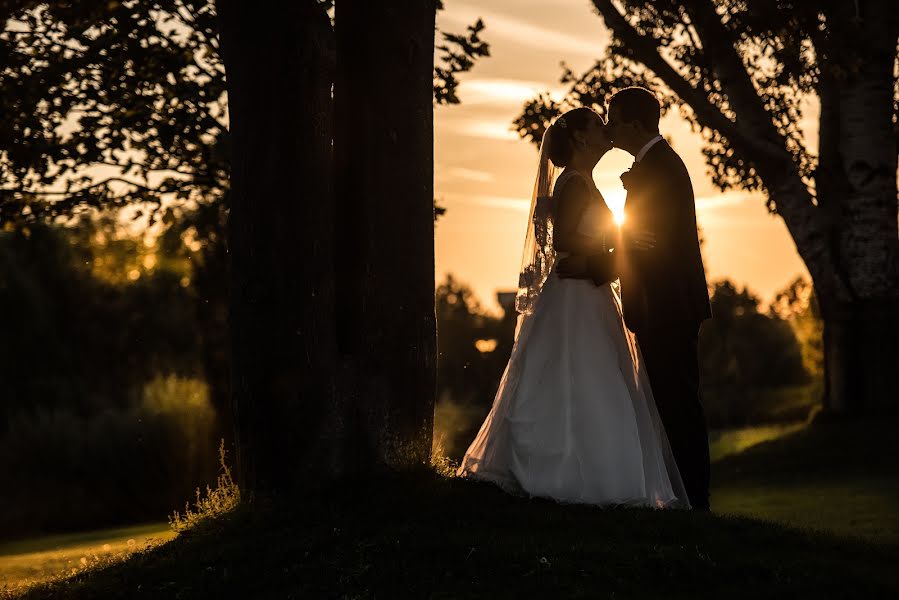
(221, 500)
(26, 562)
(837, 478)
(734, 441)
(822, 524)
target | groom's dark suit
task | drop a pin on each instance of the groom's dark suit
(664, 298)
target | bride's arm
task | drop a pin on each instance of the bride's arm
(570, 203)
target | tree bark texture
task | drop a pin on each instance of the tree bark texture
(279, 67)
(857, 196)
(384, 228)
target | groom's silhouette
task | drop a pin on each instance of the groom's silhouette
(663, 287)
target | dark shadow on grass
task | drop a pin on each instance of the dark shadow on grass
(418, 534)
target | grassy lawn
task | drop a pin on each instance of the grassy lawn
(734, 441)
(35, 560)
(809, 515)
(838, 478)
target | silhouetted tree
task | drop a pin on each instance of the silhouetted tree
(280, 70)
(384, 228)
(739, 72)
(140, 87)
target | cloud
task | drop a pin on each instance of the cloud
(534, 35)
(505, 91)
(711, 203)
(469, 174)
(485, 128)
(504, 202)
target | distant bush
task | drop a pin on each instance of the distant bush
(88, 323)
(752, 364)
(65, 471)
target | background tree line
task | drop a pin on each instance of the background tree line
(758, 366)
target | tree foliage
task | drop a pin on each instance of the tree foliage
(84, 327)
(108, 104)
(747, 358)
(473, 345)
(120, 103)
(458, 54)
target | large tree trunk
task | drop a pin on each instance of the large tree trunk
(278, 66)
(384, 258)
(856, 183)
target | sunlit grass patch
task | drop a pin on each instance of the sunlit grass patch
(54, 558)
(734, 441)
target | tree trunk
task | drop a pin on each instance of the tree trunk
(278, 66)
(856, 183)
(860, 358)
(384, 253)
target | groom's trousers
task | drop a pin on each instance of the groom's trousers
(671, 359)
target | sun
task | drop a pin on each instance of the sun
(615, 201)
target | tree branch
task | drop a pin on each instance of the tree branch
(775, 164)
(720, 45)
(646, 51)
(93, 186)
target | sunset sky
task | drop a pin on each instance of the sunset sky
(484, 173)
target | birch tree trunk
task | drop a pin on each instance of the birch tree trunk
(384, 253)
(279, 70)
(857, 189)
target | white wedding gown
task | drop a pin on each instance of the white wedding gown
(573, 418)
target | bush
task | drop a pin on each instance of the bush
(64, 471)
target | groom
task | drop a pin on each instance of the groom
(663, 287)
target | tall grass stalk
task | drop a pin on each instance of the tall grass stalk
(219, 501)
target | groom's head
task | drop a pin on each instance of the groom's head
(633, 118)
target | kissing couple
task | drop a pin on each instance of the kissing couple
(600, 401)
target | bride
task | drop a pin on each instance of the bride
(574, 419)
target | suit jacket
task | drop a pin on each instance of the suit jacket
(663, 286)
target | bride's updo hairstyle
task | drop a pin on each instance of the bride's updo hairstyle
(560, 141)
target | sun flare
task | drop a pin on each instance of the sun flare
(615, 201)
